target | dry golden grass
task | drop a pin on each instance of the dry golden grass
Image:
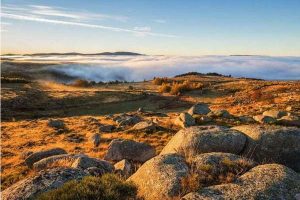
(74, 105)
(35, 135)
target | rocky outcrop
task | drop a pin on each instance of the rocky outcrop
(95, 139)
(43, 181)
(84, 162)
(290, 120)
(205, 139)
(64, 159)
(264, 119)
(267, 143)
(270, 181)
(219, 113)
(127, 120)
(160, 177)
(120, 149)
(276, 114)
(199, 109)
(106, 128)
(145, 126)
(56, 123)
(34, 157)
(184, 120)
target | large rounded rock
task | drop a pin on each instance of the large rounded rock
(184, 120)
(30, 160)
(270, 181)
(266, 143)
(120, 149)
(64, 159)
(41, 182)
(199, 109)
(145, 126)
(160, 177)
(205, 139)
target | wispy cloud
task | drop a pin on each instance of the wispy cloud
(55, 15)
(60, 12)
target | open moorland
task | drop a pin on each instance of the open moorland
(193, 136)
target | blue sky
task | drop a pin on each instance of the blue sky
(169, 27)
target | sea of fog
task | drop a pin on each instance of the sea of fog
(138, 68)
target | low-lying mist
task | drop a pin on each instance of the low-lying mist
(138, 68)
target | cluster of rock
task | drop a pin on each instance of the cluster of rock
(278, 117)
(55, 166)
(202, 114)
(206, 146)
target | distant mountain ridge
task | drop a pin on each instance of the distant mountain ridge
(117, 53)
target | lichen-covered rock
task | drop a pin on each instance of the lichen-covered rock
(106, 128)
(160, 177)
(84, 162)
(127, 120)
(199, 109)
(205, 139)
(63, 159)
(43, 181)
(290, 120)
(276, 114)
(120, 149)
(264, 119)
(246, 119)
(34, 157)
(145, 126)
(270, 181)
(56, 123)
(95, 139)
(124, 167)
(184, 120)
(269, 143)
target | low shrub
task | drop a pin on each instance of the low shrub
(177, 88)
(106, 187)
(164, 88)
(160, 81)
(206, 175)
(81, 83)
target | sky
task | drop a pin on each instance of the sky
(155, 27)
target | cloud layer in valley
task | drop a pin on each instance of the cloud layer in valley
(138, 68)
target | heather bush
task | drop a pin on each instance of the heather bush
(106, 187)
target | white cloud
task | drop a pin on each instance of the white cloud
(54, 15)
(144, 29)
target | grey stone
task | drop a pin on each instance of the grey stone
(34, 157)
(205, 139)
(160, 177)
(43, 181)
(200, 109)
(120, 149)
(269, 144)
